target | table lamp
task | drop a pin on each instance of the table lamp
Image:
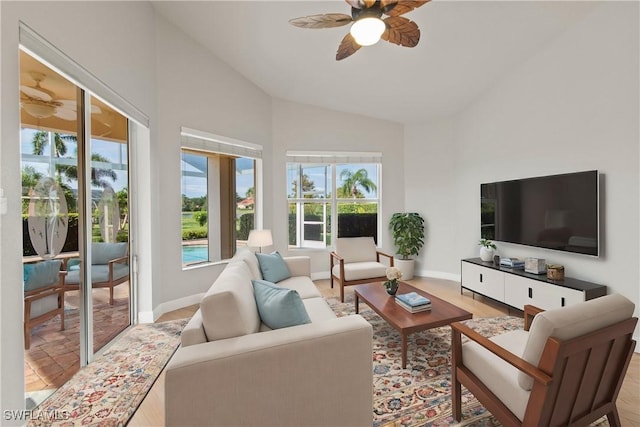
(259, 239)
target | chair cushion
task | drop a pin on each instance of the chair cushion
(499, 376)
(356, 249)
(279, 307)
(229, 308)
(41, 274)
(99, 273)
(273, 267)
(571, 322)
(102, 253)
(362, 270)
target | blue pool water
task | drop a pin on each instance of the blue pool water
(195, 253)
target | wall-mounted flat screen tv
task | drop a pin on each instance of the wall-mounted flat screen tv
(555, 212)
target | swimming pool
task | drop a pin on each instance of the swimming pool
(195, 253)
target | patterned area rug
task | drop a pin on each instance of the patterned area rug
(108, 391)
(420, 395)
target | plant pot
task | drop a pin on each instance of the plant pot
(486, 254)
(406, 266)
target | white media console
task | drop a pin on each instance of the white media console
(516, 288)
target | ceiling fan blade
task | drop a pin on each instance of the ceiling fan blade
(36, 93)
(327, 20)
(401, 31)
(361, 4)
(66, 113)
(387, 5)
(347, 47)
(404, 6)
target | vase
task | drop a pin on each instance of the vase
(392, 287)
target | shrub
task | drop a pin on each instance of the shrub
(194, 234)
(200, 217)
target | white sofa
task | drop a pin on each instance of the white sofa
(232, 370)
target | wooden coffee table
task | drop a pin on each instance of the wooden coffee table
(442, 313)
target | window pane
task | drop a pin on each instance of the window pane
(315, 224)
(358, 220)
(357, 181)
(245, 199)
(316, 181)
(195, 247)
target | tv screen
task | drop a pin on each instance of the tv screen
(555, 212)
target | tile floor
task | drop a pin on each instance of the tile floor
(54, 357)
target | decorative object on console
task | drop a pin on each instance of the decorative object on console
(496, 259)
(407, 229)
(516, 263)
(259, 239)
(535, 265)
(393, 274)
(486, 249)
(555, 272)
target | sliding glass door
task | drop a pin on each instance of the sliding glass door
(75, 178)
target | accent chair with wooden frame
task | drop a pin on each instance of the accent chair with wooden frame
(564, 369)
(43, 295)
(109, 267)
(356, 260)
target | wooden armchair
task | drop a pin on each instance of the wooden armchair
(109, 267)
(43, 295)
(565, 369)
(356, 260)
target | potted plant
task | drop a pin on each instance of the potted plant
(407, 229)
(486, 249)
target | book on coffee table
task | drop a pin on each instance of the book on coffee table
(416, 309)
(413, 299)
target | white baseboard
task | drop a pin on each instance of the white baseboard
(165, 307)
(439, 275)
(320, 275)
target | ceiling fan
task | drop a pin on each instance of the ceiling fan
(369, 26)
(41, 103)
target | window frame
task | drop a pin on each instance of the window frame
(330, 202)
(208, 144)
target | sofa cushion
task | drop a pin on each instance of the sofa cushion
(102, 253)
(571, 322)
(356, 249)
(228, 308)
(251, 260)
(362, 270)
(273, 267)
(279, 307)
(302, 284)
(41, 274)
(318, 309)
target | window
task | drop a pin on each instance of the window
(219, 195)
(322, 186)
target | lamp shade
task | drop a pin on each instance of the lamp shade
(259, 238)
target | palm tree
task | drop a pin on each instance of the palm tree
(98, 176)
(351, 183)
(41, 140)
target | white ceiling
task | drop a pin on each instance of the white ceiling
(465, 47)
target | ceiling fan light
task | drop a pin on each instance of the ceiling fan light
(367, 31)
(39, 110)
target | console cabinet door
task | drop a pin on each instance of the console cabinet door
(483, 280)
(520, 291)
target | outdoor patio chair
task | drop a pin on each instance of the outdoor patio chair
(564, 369)
(356, 260)
(43, 295)
(109, 267)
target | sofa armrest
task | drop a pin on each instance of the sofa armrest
(289, 377)
(298, 265)
(193, 332)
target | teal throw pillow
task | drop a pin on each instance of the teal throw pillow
(273, 267)
(279, 307)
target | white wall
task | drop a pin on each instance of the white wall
(198, 91)
(303, 127)
(573, 106)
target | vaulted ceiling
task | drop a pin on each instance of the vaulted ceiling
(465, 48)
